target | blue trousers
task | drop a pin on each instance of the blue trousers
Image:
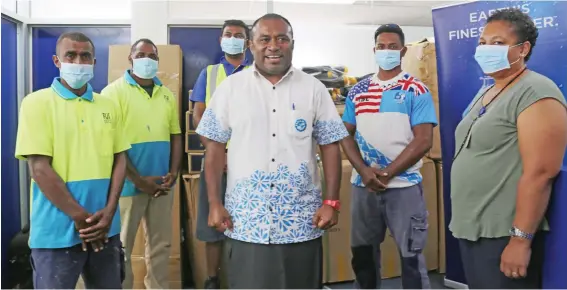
(61, 268)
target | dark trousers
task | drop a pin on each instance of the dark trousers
(61, 268)
(403, 211)
(275, 266)
(481, 262)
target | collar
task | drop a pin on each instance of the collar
(395, 79)
(66, 94)
(245, 62)
(288, 74)
(130, 80)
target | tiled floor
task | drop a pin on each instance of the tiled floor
(435, 279)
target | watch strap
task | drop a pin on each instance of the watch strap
(515, 232)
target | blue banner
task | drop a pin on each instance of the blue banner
(457, 29)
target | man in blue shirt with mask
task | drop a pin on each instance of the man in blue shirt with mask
(234, 42)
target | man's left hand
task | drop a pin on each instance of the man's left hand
(326, 217)
(168, 180)
(516, 258)
(383, 176)
(99, 225)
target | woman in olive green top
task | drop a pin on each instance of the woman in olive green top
(509, 147)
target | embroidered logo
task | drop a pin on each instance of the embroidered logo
(106, 118)
(400, 97)
(300, 125)
(166, 97)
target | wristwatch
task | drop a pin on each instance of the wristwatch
(515, 232)
(335, 204)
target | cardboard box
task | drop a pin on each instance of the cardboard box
(420, 61)
(336, 241)
(429, 183)
(170, 71)
(441, 206)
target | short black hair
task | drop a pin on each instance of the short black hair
(239, 23)
(390, 28)
(273, 16)
(523, 25)
(74, 36)
(142, 40)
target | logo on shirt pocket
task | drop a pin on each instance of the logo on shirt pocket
(300, 125)
(106, 117)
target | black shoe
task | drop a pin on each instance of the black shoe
(212, 283)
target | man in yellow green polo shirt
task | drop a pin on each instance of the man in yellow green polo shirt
(74, 143)
(151, 122)
(234, 42)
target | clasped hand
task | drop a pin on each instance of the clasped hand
(94, 228)
(375, 179)
(150, 185)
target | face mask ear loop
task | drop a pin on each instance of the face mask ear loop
(520, 57)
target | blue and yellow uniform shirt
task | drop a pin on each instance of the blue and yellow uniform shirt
(81, 135)
(149, 122)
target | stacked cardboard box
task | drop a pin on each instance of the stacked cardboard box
(170, 74)
(421, 61)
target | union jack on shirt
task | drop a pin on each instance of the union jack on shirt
(384, 113)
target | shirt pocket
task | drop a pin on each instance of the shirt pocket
(104, 140)
(301, 124)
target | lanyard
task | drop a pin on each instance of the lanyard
(483, 111)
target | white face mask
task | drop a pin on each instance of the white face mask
(145, 68)
(232, 45)
(76, 75)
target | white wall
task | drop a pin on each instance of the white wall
(9, 5)
(86, 10)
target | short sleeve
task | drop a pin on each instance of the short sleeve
(200, 88)
(533, 95)
(35, 131)
(121, 142)
(214, 124)
(328, 126)
(174, 126)
(423, 110)
(349, 115)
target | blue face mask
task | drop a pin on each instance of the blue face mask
(145, 68)
(493, 58)
(76, 75)
(387, 59)
(232, 45)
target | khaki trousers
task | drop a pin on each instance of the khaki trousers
(155, 215)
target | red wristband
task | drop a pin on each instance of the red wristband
(335, 204)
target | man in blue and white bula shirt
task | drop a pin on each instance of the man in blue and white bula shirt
(390, 117)
(274, 116)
